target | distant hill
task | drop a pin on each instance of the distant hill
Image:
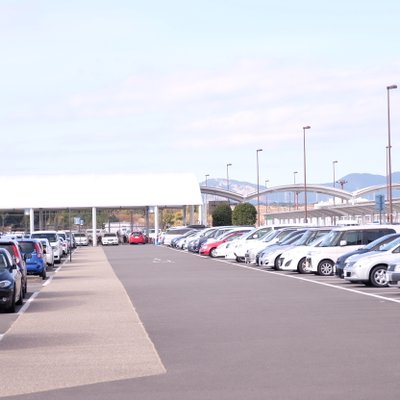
(352, 182)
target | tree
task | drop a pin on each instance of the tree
(222, 215)
(244, 214)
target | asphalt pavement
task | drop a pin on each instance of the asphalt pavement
(215, 330)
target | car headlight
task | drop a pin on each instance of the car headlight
(396, 268)
(350, 264)
(5, 284)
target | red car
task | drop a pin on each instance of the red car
(137, 237)
(208, 248)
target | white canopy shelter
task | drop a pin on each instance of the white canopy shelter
(99, 191)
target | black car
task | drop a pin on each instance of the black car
(11, 286)
(375, 245)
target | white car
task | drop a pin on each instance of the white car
(81, 239)
(270, 242)
(54, 240)
(110, 238)
(294, 259)
(48, 252)
(238, 248)
(322, 259)
(370, 268)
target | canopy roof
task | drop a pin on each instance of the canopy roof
(108, 191)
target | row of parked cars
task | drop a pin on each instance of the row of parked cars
(28, 254)
(369, 254)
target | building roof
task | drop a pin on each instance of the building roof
(102, 191)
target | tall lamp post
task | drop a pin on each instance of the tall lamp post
(258, 187)
(305, 172)
(296, 203)
(227, 177)
(389, 160)
(334, 178)
(206, 200)
(266, 196)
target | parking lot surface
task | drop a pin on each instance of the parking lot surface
(80, 329)
(221, 330)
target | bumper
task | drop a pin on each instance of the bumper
(35, 269)
(393, 278)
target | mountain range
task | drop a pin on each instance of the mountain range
(351, 182)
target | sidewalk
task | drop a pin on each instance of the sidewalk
(81, 329)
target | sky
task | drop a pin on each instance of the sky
(180, 86)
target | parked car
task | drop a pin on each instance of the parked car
(48, 252)
(209, 248)
(137, 237)
(32, 252)
(13, 248)
(172, 233)
(238, 248)
(373, 246)
(321, 259)
(270, 236)
(66, 244)
(81, 239)
(55, 242)
(294, 259)
(370, 268)
(11, 283)
(110, 238)
(269, 256)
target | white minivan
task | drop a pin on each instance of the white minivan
(321, 259)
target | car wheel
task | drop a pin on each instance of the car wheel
(276, 263)
(240, 259)
(21, 297)
(325, 268)
(43, 274)
(11, 308)
(24, 288)
(377, 276)
(301, 267)
(213, 252)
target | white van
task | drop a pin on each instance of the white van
(322, 259)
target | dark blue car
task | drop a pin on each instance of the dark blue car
(11, 287)
(35, 260)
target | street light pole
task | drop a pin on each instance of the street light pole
(206, 201)
(258, 187)
(389, 161)
(266, 198)
(305, 172)
(296, 194)
(334, 178)
(227, 175)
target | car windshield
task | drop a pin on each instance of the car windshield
(382, 241)
(389, 246)
(331, 239)
(50, 236)
(27, 247)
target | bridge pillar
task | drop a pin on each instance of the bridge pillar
(156, 223)
(31, 220)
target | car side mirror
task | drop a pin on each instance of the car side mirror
(343, 243)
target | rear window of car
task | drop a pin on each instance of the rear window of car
(27, 247)
(8, 247)
(50, 236)
(109, 235)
